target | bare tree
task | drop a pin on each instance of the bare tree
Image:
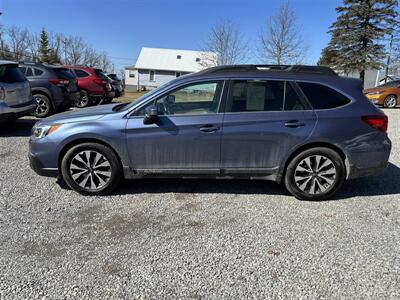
(280, 40)
(225, 46)
(74, 50)
(18, 42)
(105, 63)
(33, 45)
(56, 44)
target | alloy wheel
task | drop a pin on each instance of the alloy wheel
(41, 106)
(391, 101)
(90, 169)
(315, 174)
(83, 101)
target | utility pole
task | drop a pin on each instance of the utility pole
(388, 59)
(65, 50)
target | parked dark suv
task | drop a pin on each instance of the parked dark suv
(94, 84)
(301, 125)
(53, 87)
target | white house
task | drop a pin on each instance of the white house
(156, 66)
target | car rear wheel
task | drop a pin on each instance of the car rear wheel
(390, 101)
(91, 169)
(44, 107)
(315, 174)
(83, 101)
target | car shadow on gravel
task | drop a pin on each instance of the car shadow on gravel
(18, 128)
(385, 184)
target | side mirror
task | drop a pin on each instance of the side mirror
(151, 115)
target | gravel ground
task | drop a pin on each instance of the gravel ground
(195, 239)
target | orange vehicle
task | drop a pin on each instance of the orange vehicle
(387, 94)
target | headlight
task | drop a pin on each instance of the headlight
(41, 131)
(376, 93)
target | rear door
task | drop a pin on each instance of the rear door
(264, 120)
(15, 87)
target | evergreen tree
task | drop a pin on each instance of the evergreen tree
(358, 35)
(328, 57)
(44, 46)
(53, 57)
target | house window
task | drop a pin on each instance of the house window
(132, 74)
(152, 75)
(178, 57)
(197, 59)
(178, 74)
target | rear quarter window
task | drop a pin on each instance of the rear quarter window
(322, 97)
(11, 74)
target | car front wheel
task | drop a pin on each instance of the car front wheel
(390, 101)
(91, 169)
(315, 174)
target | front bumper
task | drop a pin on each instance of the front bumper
(37, 166)
(375, 99)
(16, 111)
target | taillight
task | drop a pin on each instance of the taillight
(59, 82)
(379, 122)
(2, 93)
(99, 81)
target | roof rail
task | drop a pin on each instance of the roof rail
(320, 70)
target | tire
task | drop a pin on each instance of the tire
(305, 184)
(86, 179)
(106, 100)
(44, 107)
(83, 101)
(390, 101)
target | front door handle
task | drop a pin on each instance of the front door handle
(209, 128)
(294, 124)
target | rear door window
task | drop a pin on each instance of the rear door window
(37, 72)
(29, 72)
(63, 73)
(11, 74)
(81, 73)
(322, 97)
(251, 96)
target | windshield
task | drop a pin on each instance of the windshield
(148, 95)
(391, 83)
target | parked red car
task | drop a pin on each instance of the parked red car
(94, 84)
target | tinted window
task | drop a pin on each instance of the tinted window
(37, 72)
(390, 84)
(10, 74)
(101, 74)
(23, 70)
(80, 73)
(257, 96)
(292, 99)
(29, 72)
(322, 97)
(63, 73)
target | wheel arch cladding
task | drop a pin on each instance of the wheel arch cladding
(83, 141)
(311, 146)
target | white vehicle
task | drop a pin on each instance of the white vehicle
(15, 93)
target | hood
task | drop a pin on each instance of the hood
(81, 115)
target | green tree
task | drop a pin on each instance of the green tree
(328, 57)
(359, 33)
(53, 57)
(44, 46)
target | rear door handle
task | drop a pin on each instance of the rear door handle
(294, 124)
(209, 128)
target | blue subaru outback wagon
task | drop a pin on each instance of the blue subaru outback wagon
(301, 125)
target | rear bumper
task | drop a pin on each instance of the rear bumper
(371, 160)
(16, 111)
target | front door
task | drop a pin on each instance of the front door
(263, 121)
(185, 136)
